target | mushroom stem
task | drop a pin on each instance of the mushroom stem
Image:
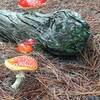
(19, 78)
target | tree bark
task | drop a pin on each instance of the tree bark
(16, 26)
(63, 31)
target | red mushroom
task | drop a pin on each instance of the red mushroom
(30, 42)
(31, 4)
(21, 64)
(24, 48)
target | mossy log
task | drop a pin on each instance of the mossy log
(63, 31)
(16, 26)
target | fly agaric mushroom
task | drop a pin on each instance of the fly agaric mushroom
(30, 42)
(31, 4)
(24, 48)
(21, 64)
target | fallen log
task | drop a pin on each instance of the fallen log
(63, 32)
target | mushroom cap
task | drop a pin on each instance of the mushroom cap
(31, 42)
(31, 4)
(24, 48)
(21, 63)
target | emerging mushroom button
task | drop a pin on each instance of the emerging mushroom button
(27, 4)
(21, 64)
(31, 42)
(24, 48)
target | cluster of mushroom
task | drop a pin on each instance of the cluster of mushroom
(24, 63)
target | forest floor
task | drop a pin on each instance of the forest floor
(76, 78)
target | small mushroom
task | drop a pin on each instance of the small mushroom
(31, 4)
(21, 64)
(31, 42)
(24, 48)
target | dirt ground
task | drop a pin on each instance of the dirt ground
(53, 80)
